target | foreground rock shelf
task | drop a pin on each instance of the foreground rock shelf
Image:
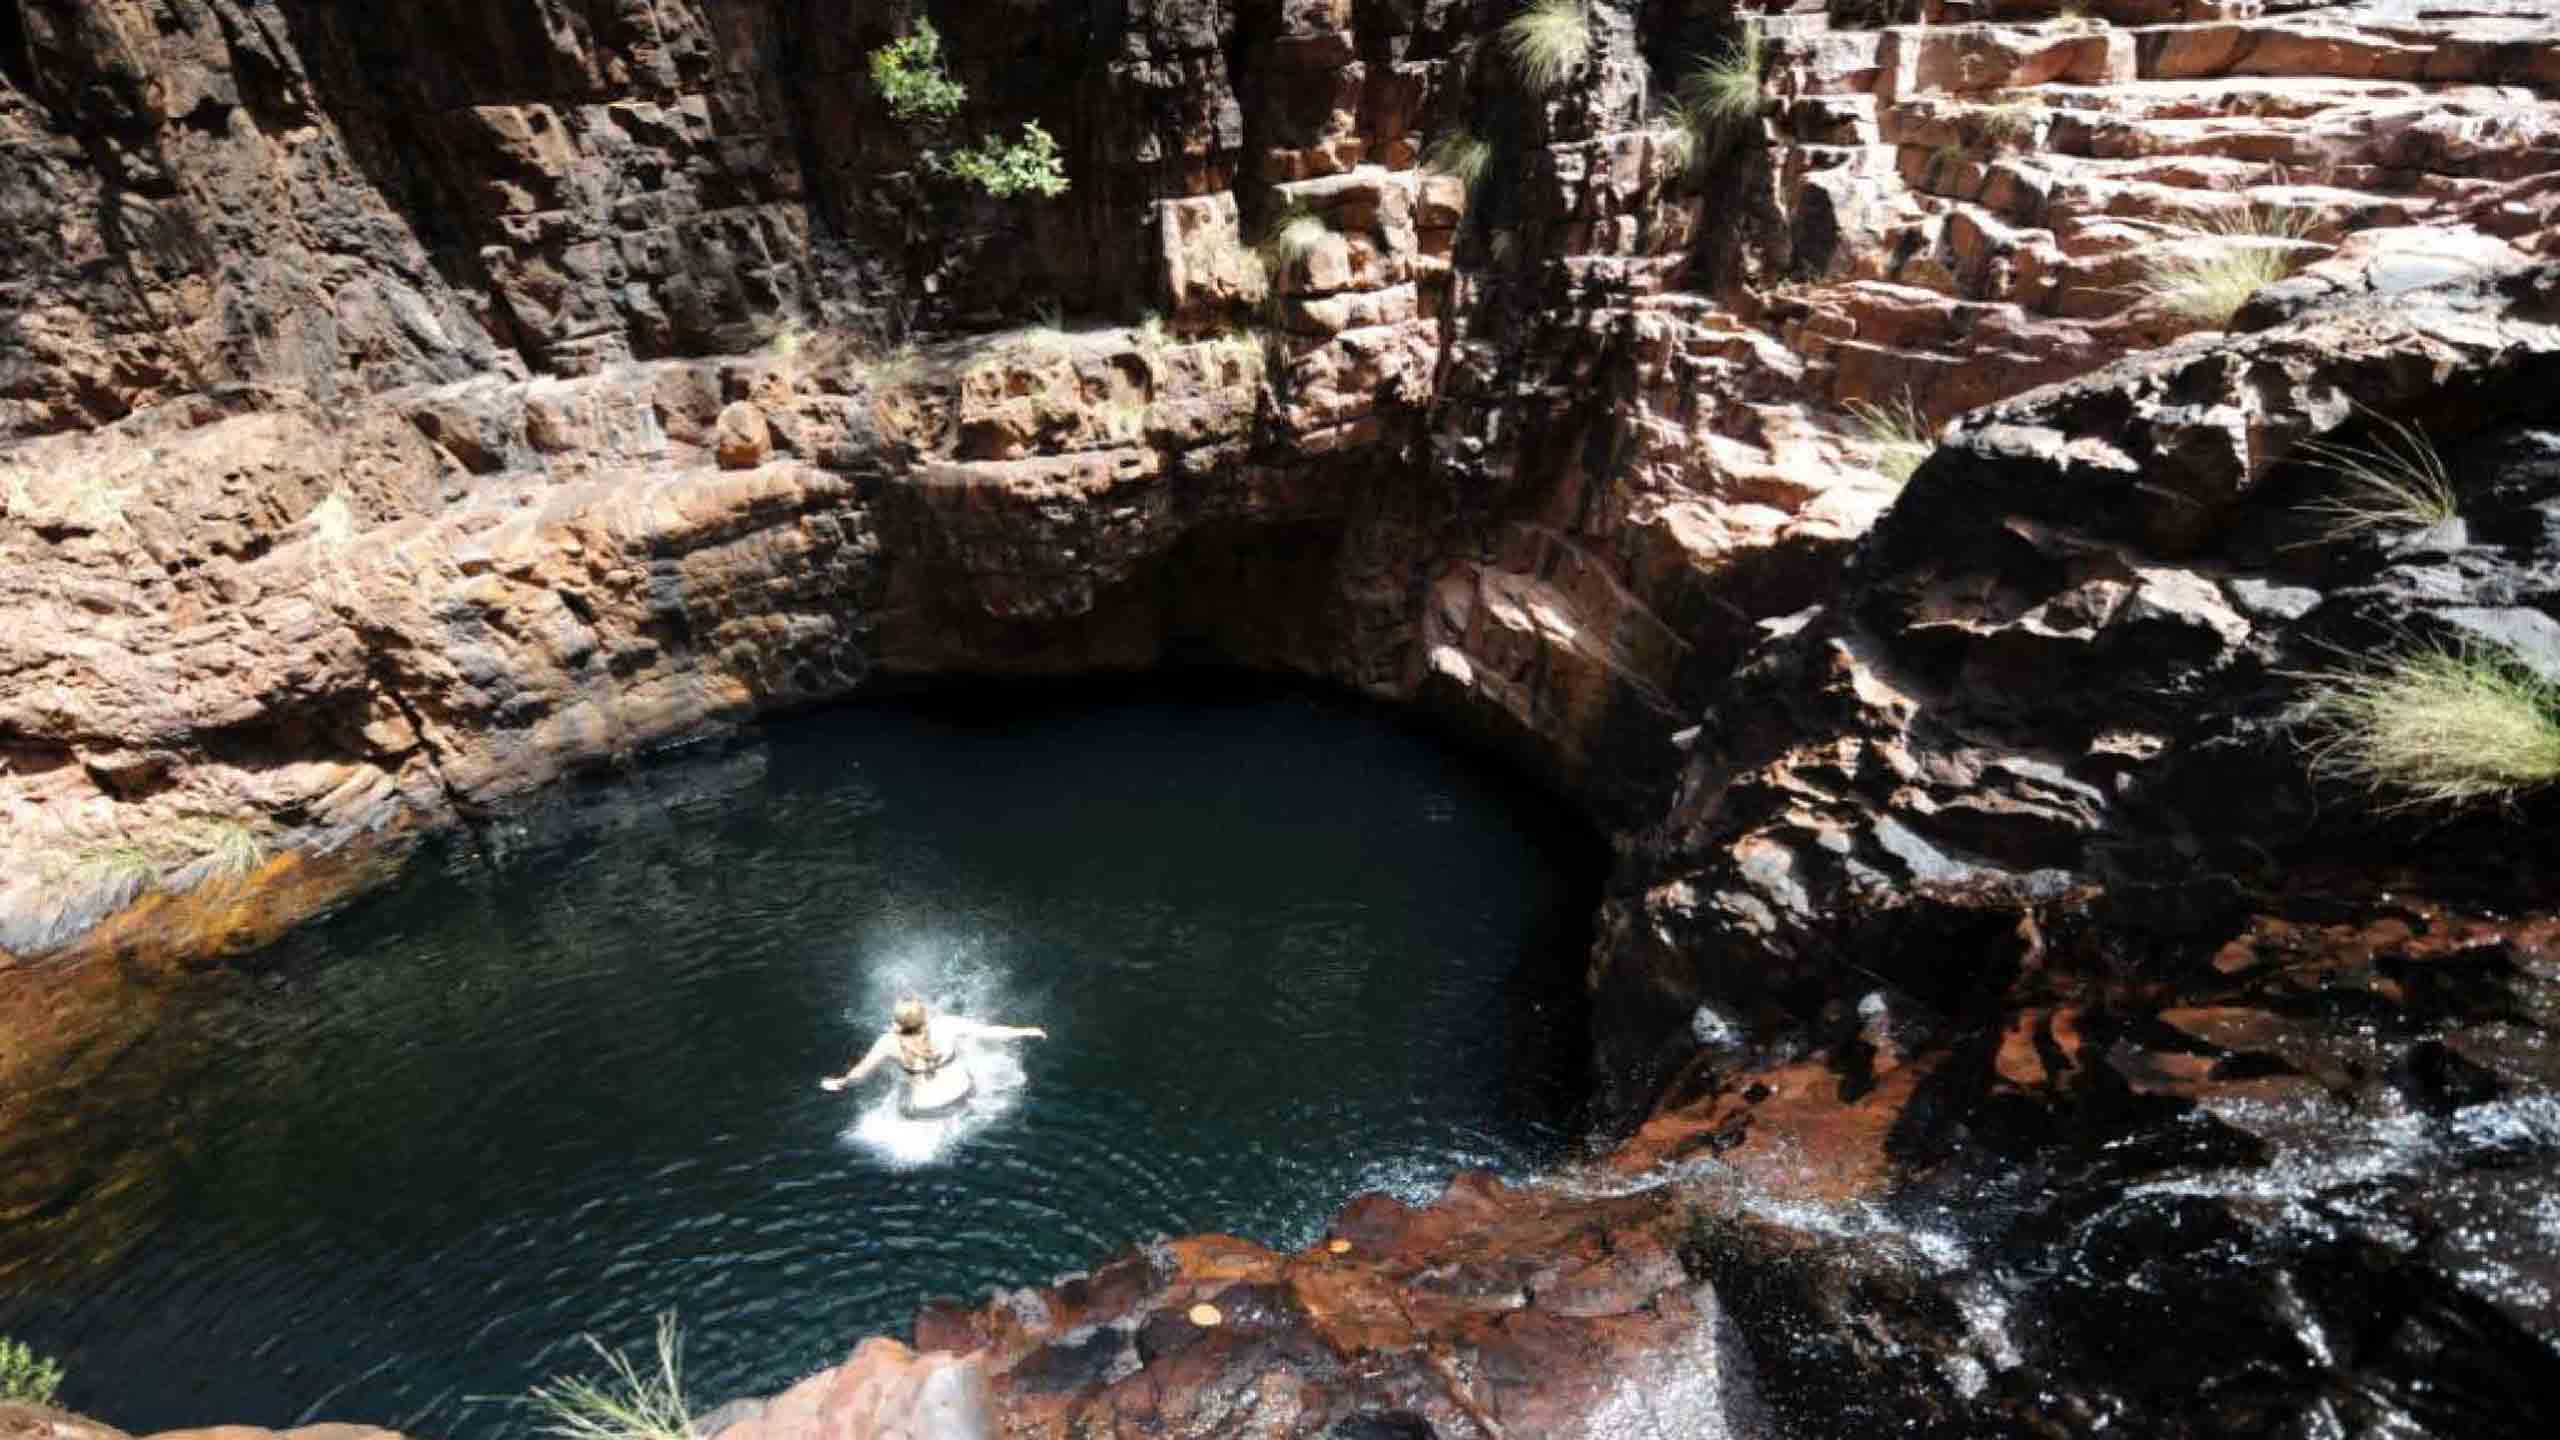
(398, 415)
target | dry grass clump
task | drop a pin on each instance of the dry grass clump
(627, 1404)
(1548, 41)
(118, 863)
(1046, 333)
(232, 845)
(1903, 436)
(1124, 418)
(2250, 250)
(869, 352)
(1153, 342)
(900, 364)
(332, 522)
(1461, 154)
(69, 504)
(2396, 481)
(2011, 124)
(1293, 236)
(1681, 135)
(2441, 724)
(1210, 250)
(790, 342)
(145, 860)
(1239, 352)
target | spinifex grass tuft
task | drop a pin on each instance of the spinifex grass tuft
(2396, 481)
(1294, 235)
(1460, 154)
(118, 862)
(626, 1404)
(232, 845)
(2439, 724)
(1903, 437)
(1722, 93)
(1548, 41)
(2246, 251)
(2010, 124)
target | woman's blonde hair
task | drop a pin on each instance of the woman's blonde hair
(915, 1044)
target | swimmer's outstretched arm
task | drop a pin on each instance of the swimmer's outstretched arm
(981, 1030)
(881, 1050)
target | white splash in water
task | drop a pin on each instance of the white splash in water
(956, 973)
(1986, 1317)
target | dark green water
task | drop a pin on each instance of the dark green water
(564, 1079)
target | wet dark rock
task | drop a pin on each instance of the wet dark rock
(2293, 1187)
(2437, 1079)
(2045, 674)
(1385, 1425)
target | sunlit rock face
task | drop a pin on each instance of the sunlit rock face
(1565, 1310)
(399, 411)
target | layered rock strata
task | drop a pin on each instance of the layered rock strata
(361, 480)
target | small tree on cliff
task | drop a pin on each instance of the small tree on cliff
(918, 89)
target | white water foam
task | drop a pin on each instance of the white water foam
(957, 972)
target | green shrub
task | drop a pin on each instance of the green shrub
(25, 1376)
(909, 75)
(1903, 437)
(626, 1404)
(1548, 41)
(2250, 250)
(1006, 168)
(2440, 724)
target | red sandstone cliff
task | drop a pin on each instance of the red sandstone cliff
(402, 406)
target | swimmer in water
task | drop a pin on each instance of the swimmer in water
(927, 1047)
